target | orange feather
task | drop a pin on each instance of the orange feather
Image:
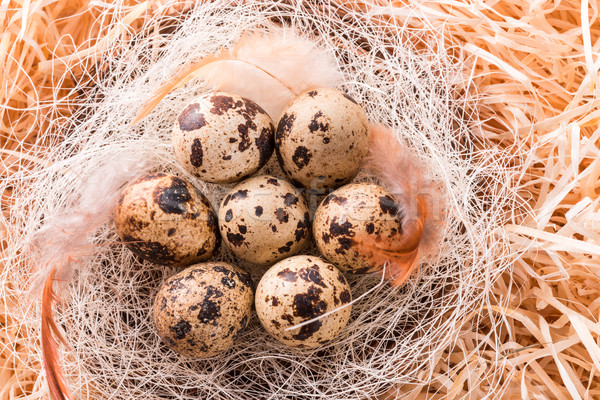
(397, 168)
(50, 334)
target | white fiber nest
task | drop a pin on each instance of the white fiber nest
(405, 78)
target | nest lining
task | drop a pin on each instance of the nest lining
(394, 337)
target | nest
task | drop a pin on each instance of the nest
(408, 75)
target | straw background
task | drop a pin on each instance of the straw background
(538, 63)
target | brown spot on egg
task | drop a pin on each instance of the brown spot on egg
(339, 200)
(284, 249)
(326, 200)
(282, 215)
(245, 143)
(172, 199)
(301, 231)
(301, 157)
(239, 195)
(149, 250)
(213, 224)
(228, 282)
(258, 210)
(251, 109)
(285, 125)
(245, 278)
(223, 103)
(345, 296)
(196, 153)
(388, 205)
(288, 275)
(316, 124)
(191, 118)
(287, 317)
(221, 269)
(265, 143)
(311, 274)
(235, 239)
(308, 330)
(290, 199)
(343, 229)
(180, 329)
(345, 244)
(210, 311)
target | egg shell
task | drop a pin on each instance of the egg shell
(298, 289)
(264, 219)
(321, 140)
(355, 209)
(200, 311)
(221, 137)
(166, 220)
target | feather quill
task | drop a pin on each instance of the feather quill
(402, 174)
(269, 68)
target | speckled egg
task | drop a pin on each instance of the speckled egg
(201, 310)
(165, 220)
(222, 137)
(321, 139)
(355, 209)
(299, 289)
(264, 219)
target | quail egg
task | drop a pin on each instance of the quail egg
(199, 312)
(355, 209)
(299, 289)
(264, 219)
(321, 139)
(165, 220)
(222, 137)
